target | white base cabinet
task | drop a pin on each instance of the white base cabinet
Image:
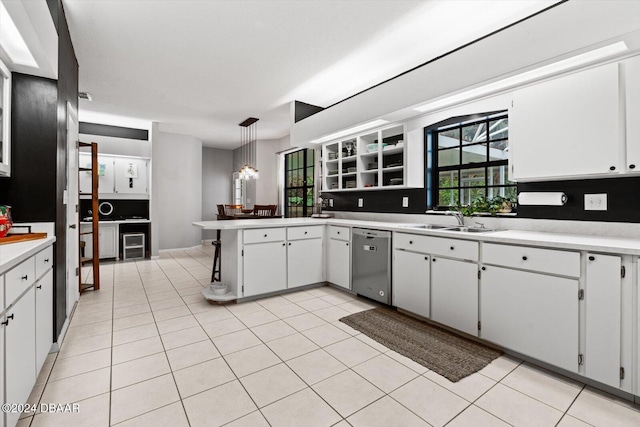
(454, 294)
(603, 288)
(304, 264)
(411, 282)
(107, 241)
(26, 331)
(265, 268)
(339, 263)
(533, 314)
(20, 344)
(44, 316)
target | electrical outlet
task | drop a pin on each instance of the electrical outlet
(595, 202)
(405, 202)
(330, 203)
(360, 203)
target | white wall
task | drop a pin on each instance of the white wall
(217, 170)
(177, 190)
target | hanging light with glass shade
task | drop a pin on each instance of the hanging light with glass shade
(248, 141)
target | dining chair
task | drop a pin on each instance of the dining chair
(232, 210)
(264, 210)
(222, 214)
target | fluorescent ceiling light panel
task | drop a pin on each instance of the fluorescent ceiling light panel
(12, 42)
(355, 129)
(528, 76)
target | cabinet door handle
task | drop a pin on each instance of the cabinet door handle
(632, 166)
(592, 258)
(73, 226)
(39, 287)
(452, 248)
(46, 260)
(433, 259)
(612, 168)
(289, 244)
(426, 258)
(484, 268)
(338, 232)
(305, 232)
(25, 277)
(265, 235)
(6, 322)
(411, 242)
(284, 244)
(347, 243)
(524, 258)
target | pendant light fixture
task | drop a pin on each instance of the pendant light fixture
(248, 140)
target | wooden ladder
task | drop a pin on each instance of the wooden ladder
(95, 258)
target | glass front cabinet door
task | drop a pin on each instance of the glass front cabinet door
(5, 120)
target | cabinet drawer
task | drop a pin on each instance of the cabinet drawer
(44, 261)
(550, 261)
(19, 279)
(260, 235)
(452, 248)
(340, 233)
(297, 233)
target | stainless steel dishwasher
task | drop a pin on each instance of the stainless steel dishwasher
(371, 264)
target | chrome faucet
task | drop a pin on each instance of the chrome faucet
(458, 216)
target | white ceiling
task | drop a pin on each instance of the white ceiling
(202, 67)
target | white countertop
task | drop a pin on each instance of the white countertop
(12, 254)
(616, 245)
(124, 221)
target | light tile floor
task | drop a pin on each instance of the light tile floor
(148, 350)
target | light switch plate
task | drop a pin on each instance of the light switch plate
(360, 203)
(405, 202)
(595, 202)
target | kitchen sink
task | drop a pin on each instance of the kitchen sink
(470, 229)
(429, 226)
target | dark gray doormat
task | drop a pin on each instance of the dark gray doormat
(450, 355)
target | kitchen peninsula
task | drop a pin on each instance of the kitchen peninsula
(520, 284)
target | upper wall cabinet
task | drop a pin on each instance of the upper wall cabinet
(631, 72)
(5, 120)
(119, 177)
(377, 159)
(567, 127)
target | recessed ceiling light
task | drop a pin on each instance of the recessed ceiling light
(12, 42)
(85, 95)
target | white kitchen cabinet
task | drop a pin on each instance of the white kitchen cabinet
(131, 175)
(339, 263)
(106, 174)
(339, 256)
(531, 313)
(265, 268)
(44, 318)
(304, 264)
(20, 345)
(2, 358)
(632, 83)
(603, 318)
(454, 294)
(411, 282)
(108, 240)
(551, 121)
